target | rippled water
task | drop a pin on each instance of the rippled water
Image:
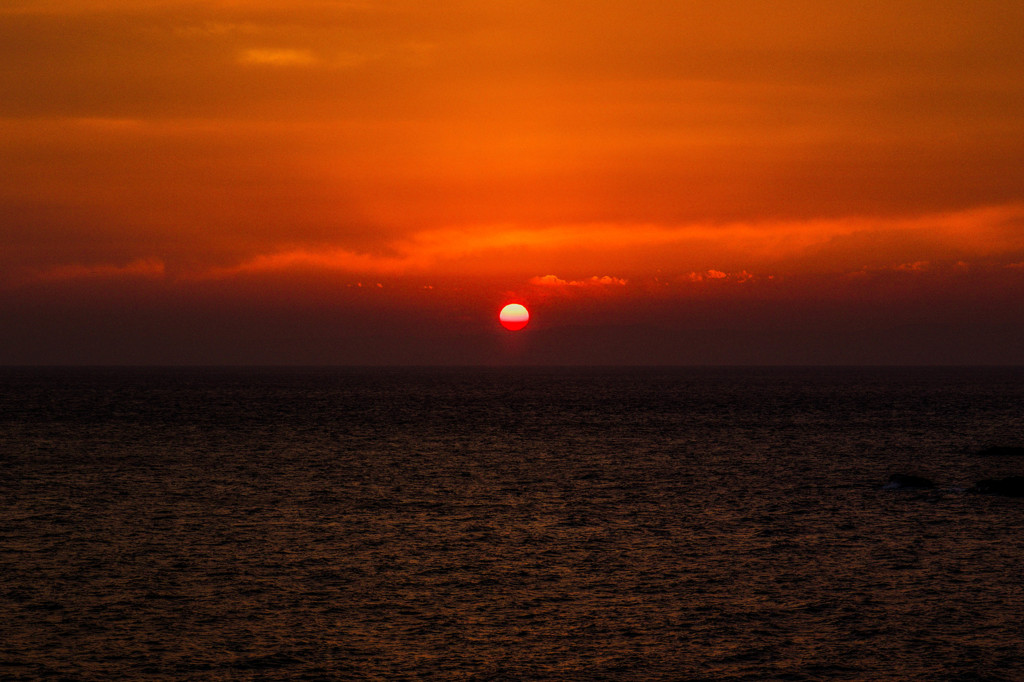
(508, 524)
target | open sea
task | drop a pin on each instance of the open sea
(509, 524)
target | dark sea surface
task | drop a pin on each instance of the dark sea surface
(570, 524)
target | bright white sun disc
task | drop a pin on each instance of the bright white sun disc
(514, 316)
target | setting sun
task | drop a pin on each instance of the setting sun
(514, 317)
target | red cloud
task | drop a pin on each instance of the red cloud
(150, 267)
(555, 281)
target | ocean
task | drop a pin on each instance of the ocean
(509, 524)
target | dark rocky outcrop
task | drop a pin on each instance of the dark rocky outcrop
(1001, 451)
(1011, 486)
(909, 482)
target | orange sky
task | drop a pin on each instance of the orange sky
(399, 169)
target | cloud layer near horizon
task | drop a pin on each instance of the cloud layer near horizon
(987, 237)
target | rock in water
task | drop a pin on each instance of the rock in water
(908, 482)
(1001, 451)
(1011, 486)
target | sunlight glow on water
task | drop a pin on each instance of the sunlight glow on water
(553, 524)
